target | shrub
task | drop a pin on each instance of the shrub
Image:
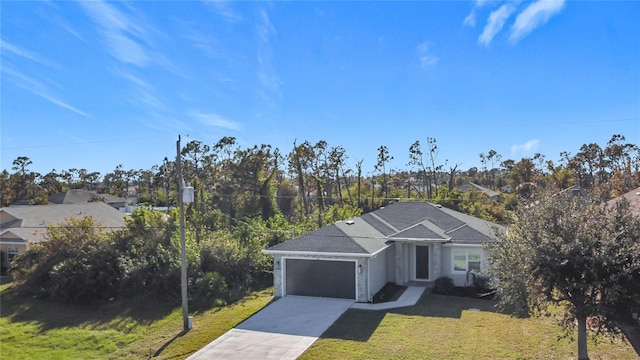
(444, 285)
(209, 289)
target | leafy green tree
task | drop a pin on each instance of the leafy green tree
(20, 165)
(77, 264)
(573, 252)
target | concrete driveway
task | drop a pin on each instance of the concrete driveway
(282, 330)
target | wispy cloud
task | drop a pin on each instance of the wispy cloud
(8, 48)
(143, 92)
(425, 55)
(267, 74)
(496, 21)
(535, 15)
(37, 88)
(121, 34)
(527, 148)
(223, 9)
(470, 20)
(27, 82)
(215, 120)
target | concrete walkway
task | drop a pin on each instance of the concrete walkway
(409, 297)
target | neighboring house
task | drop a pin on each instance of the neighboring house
(575, 191)
(78, 196)
(491, 194)
(21, 225)
(406, 242)
(633, 197)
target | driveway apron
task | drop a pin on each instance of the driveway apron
(282, 330)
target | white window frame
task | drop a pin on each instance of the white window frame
(466, 252)
(12, 251)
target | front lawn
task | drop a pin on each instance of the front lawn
(443, 327)
(140, 329)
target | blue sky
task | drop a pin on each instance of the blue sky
(96, 84)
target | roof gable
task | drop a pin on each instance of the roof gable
(419, 232)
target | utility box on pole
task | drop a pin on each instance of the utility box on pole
(187, 194)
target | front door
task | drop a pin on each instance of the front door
(422, 262)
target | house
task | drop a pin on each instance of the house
(633, 197)
(406, 242)
(20, 225)
(468, 186)
(78, 196)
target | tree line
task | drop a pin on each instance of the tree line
(316, 180)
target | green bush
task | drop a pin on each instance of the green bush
(208, 289)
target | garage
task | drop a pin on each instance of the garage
(323, 278)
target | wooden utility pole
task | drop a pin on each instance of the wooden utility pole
(183, 246)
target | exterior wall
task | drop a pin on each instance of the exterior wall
(391, 263)
(436, 261)
(362, 269)
(459, 278)
(377, 272)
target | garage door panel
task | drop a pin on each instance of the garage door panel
(323, 278)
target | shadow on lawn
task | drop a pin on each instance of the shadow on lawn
(359, 325)
(119, 314)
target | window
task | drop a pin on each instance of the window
(12, 251)
(467, 260)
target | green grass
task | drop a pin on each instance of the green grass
(441, 327)
(438, 327)
(140, 329)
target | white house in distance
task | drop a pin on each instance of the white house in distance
(406, 242)
(21, 225)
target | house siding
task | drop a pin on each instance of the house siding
(377, 272)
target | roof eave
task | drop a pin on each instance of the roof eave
(316, 253)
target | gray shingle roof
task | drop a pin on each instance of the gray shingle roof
(328, 239)
(76, 196)
(377, 224)
(30, 221)
(413, 221)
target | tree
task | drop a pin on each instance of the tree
(573, 252)
(20, 165)
(428, 167)
(383, 159)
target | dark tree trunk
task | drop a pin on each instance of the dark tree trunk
(582, 338)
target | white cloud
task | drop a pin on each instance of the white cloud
(222, 8)
(425, 55)
(470, 19)
(29, 55)
(37, 88)
(119, 32)
(215, 120)
(267, 74)
(496, 21)
(535, 15)
(527, 148)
